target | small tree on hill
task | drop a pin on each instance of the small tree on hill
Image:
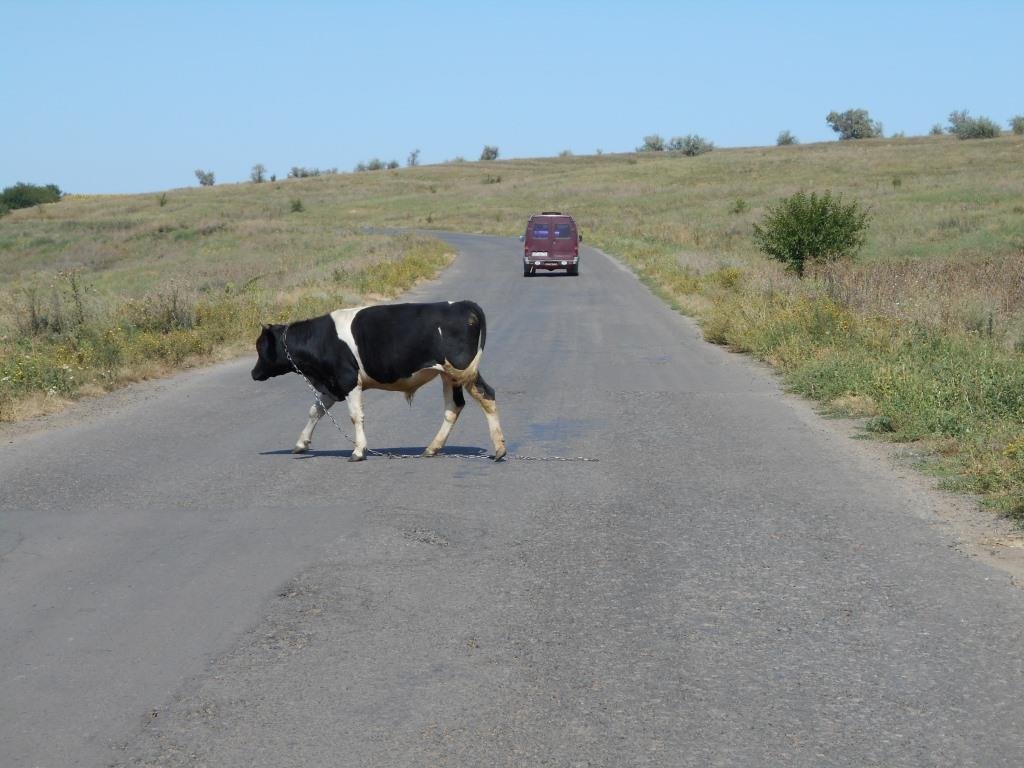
(785, 138)
(691, 145)
(652, 143)
(301, 172)
(413, 159)
(854, 124)
(258, 173)
(1017, 125)
(963, 126)
(489, 153)
(205, 177)
(22, 195)
(805, 229)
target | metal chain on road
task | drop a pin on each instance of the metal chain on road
(388, 454)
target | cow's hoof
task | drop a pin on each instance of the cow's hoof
(499, 454)
(300, 449)
(357, 457)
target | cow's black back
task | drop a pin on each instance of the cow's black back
(396, 340)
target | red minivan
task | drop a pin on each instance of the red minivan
(551, 242)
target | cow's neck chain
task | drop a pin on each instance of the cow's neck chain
(390, 455)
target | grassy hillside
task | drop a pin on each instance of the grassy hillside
(922, 334)
(99, 291)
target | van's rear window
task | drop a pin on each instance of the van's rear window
(563, 230)
(540, 230)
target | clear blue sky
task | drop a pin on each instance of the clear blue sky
(134, 96)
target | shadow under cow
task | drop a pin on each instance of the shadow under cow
(404, 451)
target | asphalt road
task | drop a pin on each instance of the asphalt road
(733, 584)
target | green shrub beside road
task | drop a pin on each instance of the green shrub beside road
(811, 229)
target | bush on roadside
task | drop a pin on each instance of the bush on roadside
(63, 313)
(161, 312)
(811, 229)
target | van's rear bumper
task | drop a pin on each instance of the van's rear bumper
(551, 262)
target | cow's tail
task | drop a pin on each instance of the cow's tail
(477, 318)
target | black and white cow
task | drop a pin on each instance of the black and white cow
(399, 347)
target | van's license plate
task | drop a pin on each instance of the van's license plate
(540, 254)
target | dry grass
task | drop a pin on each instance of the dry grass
(102, 291)
(984, 297)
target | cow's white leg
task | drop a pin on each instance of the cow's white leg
(452, 408)
(484, 395)
(315, 412)
(355, 411)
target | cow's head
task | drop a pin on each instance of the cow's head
(272, 359)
